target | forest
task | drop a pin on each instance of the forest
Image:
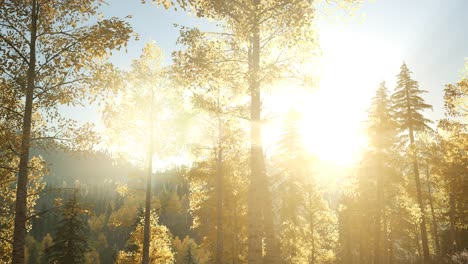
(204, 131)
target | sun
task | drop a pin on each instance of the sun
(334, 112)
(332, 134)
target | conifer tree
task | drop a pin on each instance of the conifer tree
(71, 242)
(306, 232)
(190, 258)
(408, 106)
(215, 80)
(381, 131)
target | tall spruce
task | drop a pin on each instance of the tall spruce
(381, 130)
(408, 106)
(306, 233)
(70, 243)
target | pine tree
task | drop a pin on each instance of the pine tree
(382, 137)
(408, 105)
(71, 243)
(190, 258)
(306, 231)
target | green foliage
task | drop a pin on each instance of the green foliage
(71, 242)
(408, 103)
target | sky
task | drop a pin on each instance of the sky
(360, 49)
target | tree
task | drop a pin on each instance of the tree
(47, 49)
(307, 223)
(455, 102)
(382, 134)
(187, 251)
(139, 119)
(408, 105)
(70, 243)
(453, 142)
(210, 70)
(9, 161)
(204, 185)
(260, 26)
(160, 245)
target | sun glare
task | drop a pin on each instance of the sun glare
(333, 113)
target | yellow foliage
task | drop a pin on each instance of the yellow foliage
(160, 244)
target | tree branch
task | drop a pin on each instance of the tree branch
(15, 49)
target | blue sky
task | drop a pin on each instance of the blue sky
(429, 35)
(359, 50)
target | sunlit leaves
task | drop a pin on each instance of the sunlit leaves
(67, 50)
(8, 197)
(456, 99)
(147, 100)
(160, 244)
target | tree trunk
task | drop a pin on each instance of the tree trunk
(421, 259)
(349, 250)
(434, 221)
(385, 244)
(273, 251)
(390, 245)
(452, 247)
(361, 246)
(422, 224)
(235, 233)
(312, 239)
(219, 203)
(271, 242)
(256, 152)
(19, 232)
(147, 227)
(378, 220)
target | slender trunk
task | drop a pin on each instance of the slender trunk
(422, 223)
(219, 204)
(452, 247)
(379, 204)
(312, 239)
(256, 151)
(434, 221)
(390, 245)
(273, 252)
(420, 259)
(361, 246)
(19, 232)
(385, 244)
(235, 235)
(147, 227)
(349, 250)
